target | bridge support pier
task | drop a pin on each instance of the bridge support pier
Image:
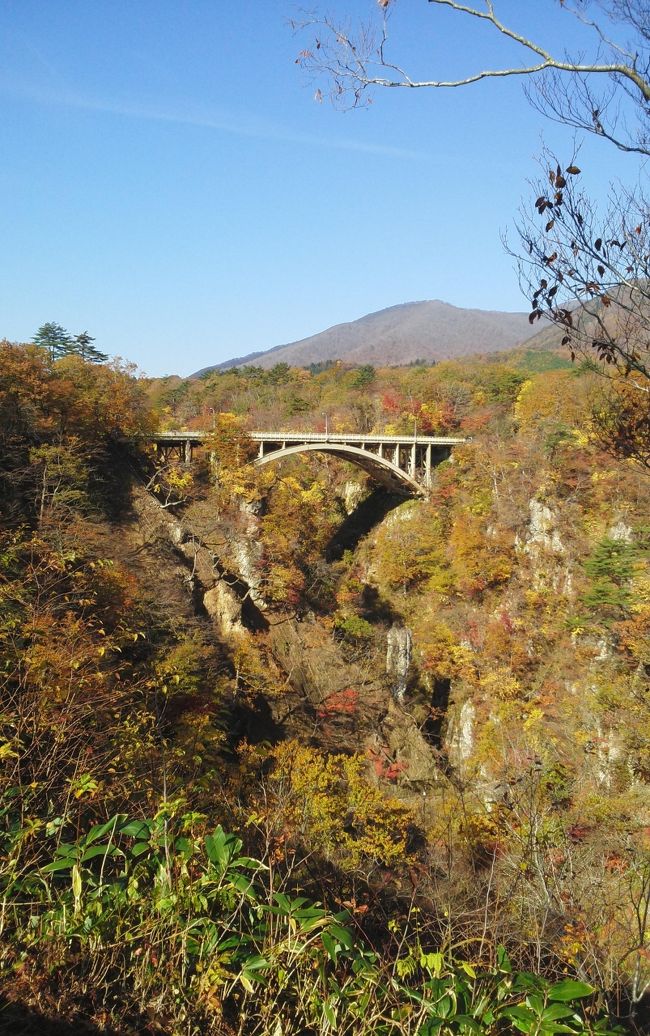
(412, 461)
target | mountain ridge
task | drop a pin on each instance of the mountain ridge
(430, 330)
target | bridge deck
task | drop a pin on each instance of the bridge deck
(192, 436)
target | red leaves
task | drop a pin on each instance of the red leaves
(340, 703)
(392, 402)
(386, 769)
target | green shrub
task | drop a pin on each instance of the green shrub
(154, 920)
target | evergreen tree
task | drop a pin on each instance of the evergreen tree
(83, 345)
(364, 376)
(610, 568)
(55, 339)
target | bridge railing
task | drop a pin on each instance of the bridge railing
(342, 437)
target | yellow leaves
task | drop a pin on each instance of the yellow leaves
(228, 421)
(500, 685)
(554, 397)
(406, 966)
(521, 402)
(581, 437)
(442, 655)
(292, 485)
(640, 587)
(434, 962)
(6, 750)
(329, 803)
(572, 943)
(534, 719)
(180, 668)
(498, 570)
(179, 479)
(297, 524)
(84, 784)
(440, 582)
(410, 550)
(313, 495)
(76, 887)
(479, 560)
(483, 830)
(284, 584)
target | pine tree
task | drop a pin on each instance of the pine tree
(610, 568)
(55, 339)
(83, 346)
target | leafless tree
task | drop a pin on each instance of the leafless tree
(588, 274)
(587, 94)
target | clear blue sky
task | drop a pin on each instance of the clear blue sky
(170, 184)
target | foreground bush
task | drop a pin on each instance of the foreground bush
(143, 923)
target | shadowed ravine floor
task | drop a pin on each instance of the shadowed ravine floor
(363, 519)
(18, 1020)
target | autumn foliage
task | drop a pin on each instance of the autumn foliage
(211, 649)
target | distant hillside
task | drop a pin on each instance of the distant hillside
(398, 335)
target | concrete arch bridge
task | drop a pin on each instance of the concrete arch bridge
(400, 463)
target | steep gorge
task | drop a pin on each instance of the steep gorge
(430, 714)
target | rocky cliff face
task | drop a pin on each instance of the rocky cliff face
(221, 594)
(399, 651)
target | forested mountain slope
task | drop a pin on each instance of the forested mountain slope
(426, 720)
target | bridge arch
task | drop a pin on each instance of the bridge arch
(400, 463)
(380, 468)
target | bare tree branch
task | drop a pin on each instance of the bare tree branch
(355, 61)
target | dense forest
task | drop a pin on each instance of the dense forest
(284, 754)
